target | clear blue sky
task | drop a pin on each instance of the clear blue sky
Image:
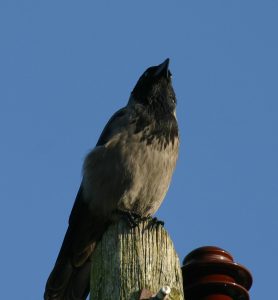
(66, 66)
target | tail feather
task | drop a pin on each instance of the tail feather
(70, 277)
(68, 283)
(79, 283)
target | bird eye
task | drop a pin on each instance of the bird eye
(169, 74)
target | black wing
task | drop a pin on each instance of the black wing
(109, 127)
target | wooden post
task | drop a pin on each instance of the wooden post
(128, 262)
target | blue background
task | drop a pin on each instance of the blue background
(66, 66)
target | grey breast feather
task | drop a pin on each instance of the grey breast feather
(125, 172)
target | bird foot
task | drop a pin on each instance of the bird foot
(154, 222)
(132, 219)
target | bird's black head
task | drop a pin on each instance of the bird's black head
(154, 89)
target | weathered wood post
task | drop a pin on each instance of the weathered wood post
(128, 260)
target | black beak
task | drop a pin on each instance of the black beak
(162, 69)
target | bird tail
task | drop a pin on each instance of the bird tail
(70, 277)
(68, 281)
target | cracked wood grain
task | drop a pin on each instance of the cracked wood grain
(127, 260)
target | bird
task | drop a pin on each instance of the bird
(127, 174)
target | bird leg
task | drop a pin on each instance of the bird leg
(131, 218)
(154, 222)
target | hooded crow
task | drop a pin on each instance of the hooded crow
(127, 173)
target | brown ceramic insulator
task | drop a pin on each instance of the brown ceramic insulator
(210, 273)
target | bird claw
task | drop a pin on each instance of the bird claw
(132, 219)
(155, 222)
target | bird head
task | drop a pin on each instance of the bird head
(154, 89)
